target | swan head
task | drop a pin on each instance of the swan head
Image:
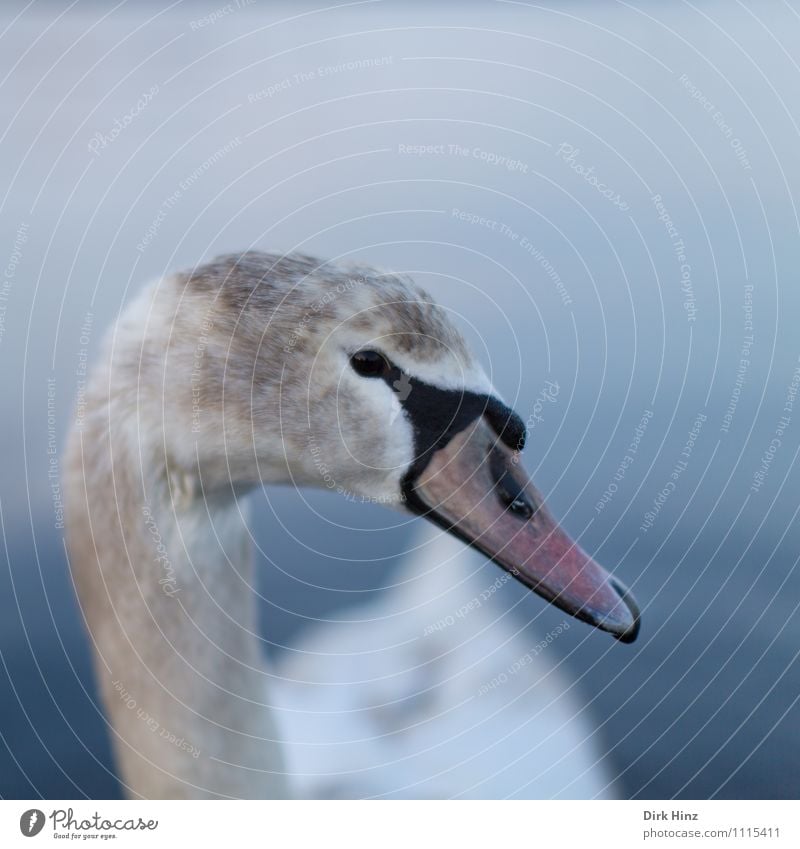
(353, 380)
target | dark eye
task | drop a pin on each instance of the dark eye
(369, 364)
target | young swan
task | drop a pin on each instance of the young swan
(262, 368)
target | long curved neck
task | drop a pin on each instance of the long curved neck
(164, 578)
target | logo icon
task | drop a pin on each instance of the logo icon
(402, 388)
(31, 822)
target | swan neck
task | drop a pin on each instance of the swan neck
(166, 581)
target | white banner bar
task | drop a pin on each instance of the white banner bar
(403, 824)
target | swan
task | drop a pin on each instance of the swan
(453, 701)
(260, 368)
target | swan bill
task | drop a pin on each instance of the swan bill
(476, 488)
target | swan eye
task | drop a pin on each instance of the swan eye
(370, 364)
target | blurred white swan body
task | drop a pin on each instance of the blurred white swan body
(391, 706)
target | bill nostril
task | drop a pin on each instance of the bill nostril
(509, 490)
(521, 508)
